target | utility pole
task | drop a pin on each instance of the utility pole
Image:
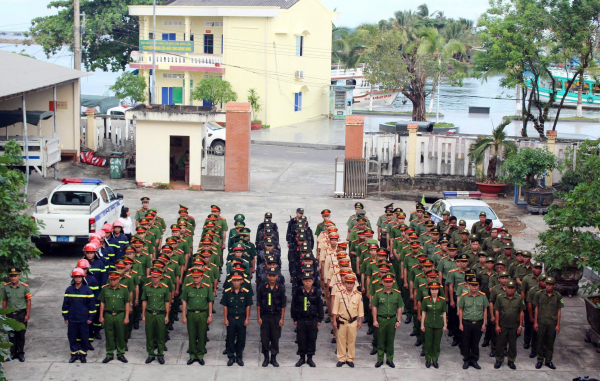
(153, 87)
(76, 37)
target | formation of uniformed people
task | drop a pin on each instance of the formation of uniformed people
(442, 277)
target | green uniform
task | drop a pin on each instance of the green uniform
(114, 300)
(352, 221)
(434, 326)
(548, 306)
(509, 322)
(236, 303)
(507, 261)
(16, 298)
(197, 299)
(473, 306)
(476, 227)
(140, 214)
(444, 266)
(387, 305)
(156, 329)
(522, 271)
(489, 244)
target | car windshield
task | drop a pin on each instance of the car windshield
(214, 126)
(472, 212)
(73, 198)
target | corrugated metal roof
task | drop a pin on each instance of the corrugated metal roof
(22, 74)
(283, 4)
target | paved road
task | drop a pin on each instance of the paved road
(282, 180)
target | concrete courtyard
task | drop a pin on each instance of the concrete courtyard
(283, 179)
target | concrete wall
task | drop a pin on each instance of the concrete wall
(153, 150)
(67, 120)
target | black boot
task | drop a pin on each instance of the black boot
(310, 361)
(274, 361)
(266, 361)
(73, 359)
(301, 362)
(83, 359)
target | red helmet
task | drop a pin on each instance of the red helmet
(107, 227)
(94, 239)
(117, 224)
(78, 272)
(83, 264)
(100, 234)
(90, 247)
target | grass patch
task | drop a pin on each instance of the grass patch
(443, 125)
(571, 118)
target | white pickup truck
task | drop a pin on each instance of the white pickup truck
(73, 212)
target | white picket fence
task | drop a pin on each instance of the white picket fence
(438, 154)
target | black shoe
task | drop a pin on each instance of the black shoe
(73, 359)
(310, 362)
(493, 354)
(465, 365)
(526, 346)
(328, 320)
(239, 361)
(350, 364)
(485, 343)
(136, 325)
(427, 364)
(435, 365)
(538, 365)
(161, 360)
(274, 361)
(90, 347)
(21, 358)
(166, 349)
(423, 353)
(122, 359)
(301, 361)
(225, 352)
(455, 342)
(475, 365)
(201, 362)
(98, 336)
(127, 348)
(407, 320)
(83, 359)
(390, 364)
(107, 360)
(370, 331)
(339, 364)
(231, 361)
(550, 365)
(331, 331)
(176, 318)
(533, 354)
(295, 330)
(207, 339)
(418, 343)
(168, 337)
(413, 333)
(450, 333)
(171, 328)
(378, 364)
(512, 366)
(191, 361)
(266, 361)
(333, 341)
(150, 359)
(498, 364)
(373, 352)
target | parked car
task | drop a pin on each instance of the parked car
(463, 209)
(215, 138)
(73, 211)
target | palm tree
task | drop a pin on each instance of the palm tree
(497, 140)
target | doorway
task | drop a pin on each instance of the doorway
(179, 161)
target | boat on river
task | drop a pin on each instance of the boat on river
(562, 76)
(361, 94)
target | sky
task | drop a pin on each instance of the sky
(17, 14)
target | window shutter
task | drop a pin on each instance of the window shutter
(178, 95)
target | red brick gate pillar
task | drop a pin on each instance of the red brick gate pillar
(237, 152)
(354, 135)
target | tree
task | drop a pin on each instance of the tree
(526, 166)
(16, 227)
(496, 141)
(570, 238)
(214, 90)
(254, 100)
(130, 86)
(110, 34)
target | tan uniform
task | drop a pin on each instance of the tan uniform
(323, 244)
(346, 334)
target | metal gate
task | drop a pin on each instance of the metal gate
(355, 177)
(213, 170)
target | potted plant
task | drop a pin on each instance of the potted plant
(525, 168)
(490, 187)
(254, 100)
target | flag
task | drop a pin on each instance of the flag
(423, 200)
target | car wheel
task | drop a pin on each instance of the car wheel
(218, 147)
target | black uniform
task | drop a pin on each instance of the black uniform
(261, 276)
(307, 312)
(271, 301)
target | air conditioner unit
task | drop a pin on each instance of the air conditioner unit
(299, 74)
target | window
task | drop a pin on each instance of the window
(472, 212)
(213, 23)
(208, 44)
(192, 37)
(297, 101)
(173, 75)
(299, 45)
(169, 36)
(173, 23)
(151, 36)
(73, 198)
(104, 196)
(111, 195)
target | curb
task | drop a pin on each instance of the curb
(299, 145)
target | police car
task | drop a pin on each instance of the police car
(73, 211)
(463, 209)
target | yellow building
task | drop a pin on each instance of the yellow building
(281, 48)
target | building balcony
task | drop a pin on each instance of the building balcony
(179, 62)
